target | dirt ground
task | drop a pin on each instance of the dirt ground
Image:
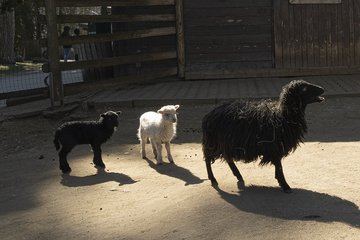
(135, 199)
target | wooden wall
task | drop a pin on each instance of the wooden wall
(223, 36)
(317, 35)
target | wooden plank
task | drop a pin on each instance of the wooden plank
(180, 38)
(118, 36)
(297, 36)
(278, 31)
(115, 3)
(56, 87)
(115, 18)
(230, 30)
(351, 33)
(333, 45)
(357, 32)
(309, 22)
(195, 20)
(231, 39)
(236, 48)
(291, 42)
(105, 62)
(271, 72)
(236, 13)
(314, 1)
(304, 33)
(227, 4)
(230, 57)
(339, 33)
(227, 66)
(346, 34)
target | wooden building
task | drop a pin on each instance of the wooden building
(254, 38)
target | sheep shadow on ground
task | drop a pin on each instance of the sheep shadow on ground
(302, 205)
(100, 177)
(175, 171)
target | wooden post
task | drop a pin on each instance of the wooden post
(56, 87)
(180, 38)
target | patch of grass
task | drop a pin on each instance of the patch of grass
(19, 67)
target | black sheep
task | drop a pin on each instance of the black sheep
(265, 129)
(95, 133)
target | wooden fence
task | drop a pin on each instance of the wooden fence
(317, 35)
(141, 22)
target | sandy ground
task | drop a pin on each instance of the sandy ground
(134, 199)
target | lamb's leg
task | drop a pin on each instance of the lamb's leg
(153, 148)
(235, 170)
(210, 172)
(167, 146)
(64, 165)
(279, 175)
(159, 159)
(97, 160)
(143, 144)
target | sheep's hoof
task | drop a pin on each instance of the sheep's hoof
(241, 185)
(288, 190)
(99, 164)
(66, 170)
(214, 183)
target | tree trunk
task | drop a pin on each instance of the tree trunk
(7, 37)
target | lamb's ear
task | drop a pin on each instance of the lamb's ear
(119, 112)
(103, 115)
(161, 110)
(176, 107)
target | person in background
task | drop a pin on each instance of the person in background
(77, 33)
(67, 48)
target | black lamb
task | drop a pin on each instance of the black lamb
(265, 129)
(95, 133)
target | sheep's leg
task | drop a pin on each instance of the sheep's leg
(159, 152)
(167, 146)
(210, 173)
(97, 160)
(64, 165)
(154, 148)
(235, 170)
(279, 175)
(143, 144)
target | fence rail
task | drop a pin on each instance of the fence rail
(158, 21)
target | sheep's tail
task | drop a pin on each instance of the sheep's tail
(56, 141)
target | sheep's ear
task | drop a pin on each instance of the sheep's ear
(118, 112)
(176, 107)
(102, 115)
(160, 111)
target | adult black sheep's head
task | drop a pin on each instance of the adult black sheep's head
(302, 93)
(110, 119)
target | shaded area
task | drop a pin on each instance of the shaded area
(175, 171)
(300, 205)
(100, 177)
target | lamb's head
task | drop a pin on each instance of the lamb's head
(169, 113)
(301, 93)
(110, 119)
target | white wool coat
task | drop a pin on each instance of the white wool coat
(153, 126)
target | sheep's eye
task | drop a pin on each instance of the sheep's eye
(304, 89)
(167, 115)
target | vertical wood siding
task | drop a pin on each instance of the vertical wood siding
(316, 35)
(223, 36)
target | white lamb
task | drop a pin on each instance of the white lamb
(158, 127)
